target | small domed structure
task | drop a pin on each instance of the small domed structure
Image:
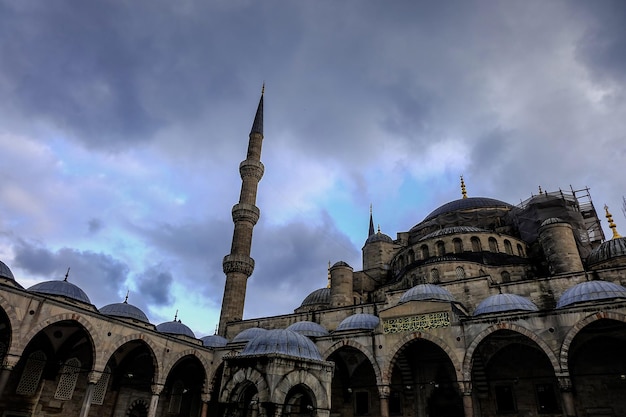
(5, 272)
(360, 321)
(60, 289)
(175, 328)
(248, 334)
(340, 263)
(124, 310)
(591, 291)
(379, 237)
(608, 250)
(501, 303)
(320, 296)
(214, 341)
(281, 341)
(308, 329)
(427, 292)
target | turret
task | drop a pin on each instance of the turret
(559, 246)
(238, 265)
(341, 284)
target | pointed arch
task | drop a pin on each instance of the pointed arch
(469, 353)
(300, 377)
(113, 347)
(170, 364)
(237, 384)
(347, 342)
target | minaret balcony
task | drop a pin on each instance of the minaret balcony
(246, 213)
(250, 168)
(238, 263)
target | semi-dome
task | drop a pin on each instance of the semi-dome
(214, 341)
(281, 341)
(453, 231)
(379, 237)
(175, 328)
(360, 321)
(5, 271)
(591, 291)
(500, 303)
(124, 310)
(62, 289)
(469, 203)
(427, 292)
(610, 249)
(248, 334)
(321, 296)
(308, 328)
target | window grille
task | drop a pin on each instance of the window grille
(32, 373)
(67, 381)
(434, 276)
(176, 397)
(460, 272)
(100, 390)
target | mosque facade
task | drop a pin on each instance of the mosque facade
(483, 308)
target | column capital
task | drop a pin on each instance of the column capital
(157, 389)
(94, 376)
(384, 391)
(9, 361)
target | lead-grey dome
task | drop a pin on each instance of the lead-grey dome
(379, 237)
(427, 292)
(552, 220)
(124, 310)
(453, 231)
(281, 341)
(308, 328)
(5, 271)
(610, 249)
(175, 328)
(360, 321)
(591, 291)
(248, 334)
(62, 289)
(500, 303)
(214, 341)
(320, 296)
(467, 204)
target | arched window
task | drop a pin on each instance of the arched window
(176, 396)
(100, 390)
(458, 245)
(425, 254)
(411, 256)
(506, 277)
(31, 375)
(460, 272)
(493, 245)
(67, 381)
(520, 250)
(441, 248)
(434, 276)
(476, 246)
(508, 248)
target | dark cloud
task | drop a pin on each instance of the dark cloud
(94, 225)
(154, 285)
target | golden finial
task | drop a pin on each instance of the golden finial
(176, 315)
(328, 285)
(126, 299)
(612, 225)
(463, 190)
(67, 274)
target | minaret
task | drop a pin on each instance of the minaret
(238, 265)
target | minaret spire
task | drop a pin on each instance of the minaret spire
(238, 265)
(463, 190)
(371, 231)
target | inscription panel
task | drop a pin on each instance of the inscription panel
(416, 323)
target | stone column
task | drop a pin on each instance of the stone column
(383, 393)
(567, 396)
(205, 397)
(154, 401)
(5, 373)
(84, 410)
(468, 400)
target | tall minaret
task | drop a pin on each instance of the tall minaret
(238, 266)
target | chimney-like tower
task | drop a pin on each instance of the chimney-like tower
(238, 265)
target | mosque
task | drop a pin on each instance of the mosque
(483, 308)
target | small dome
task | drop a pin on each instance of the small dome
(340, 263)
(469, 203)
(248, 334)
(214, 341)
(552, 220)
(500, 303)
(453, 231)
(5, 272)
(308, 328)
(62, 289)
(321, 296)
(175, 328)
(124, 310)
(280, 341)
(379, 237)
(613, 248)
(427, 292)
(591, 291)
(361, 321)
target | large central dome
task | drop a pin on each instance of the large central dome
(467, 204)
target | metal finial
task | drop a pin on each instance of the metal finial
(126, 298)
(176, 315)
(371, 212)
(328, 285)
(378, 229)
(67, 274)
(540, 191)
(463, 190)
(612, 225)
(263, 88)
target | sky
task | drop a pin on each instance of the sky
(122, 125)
